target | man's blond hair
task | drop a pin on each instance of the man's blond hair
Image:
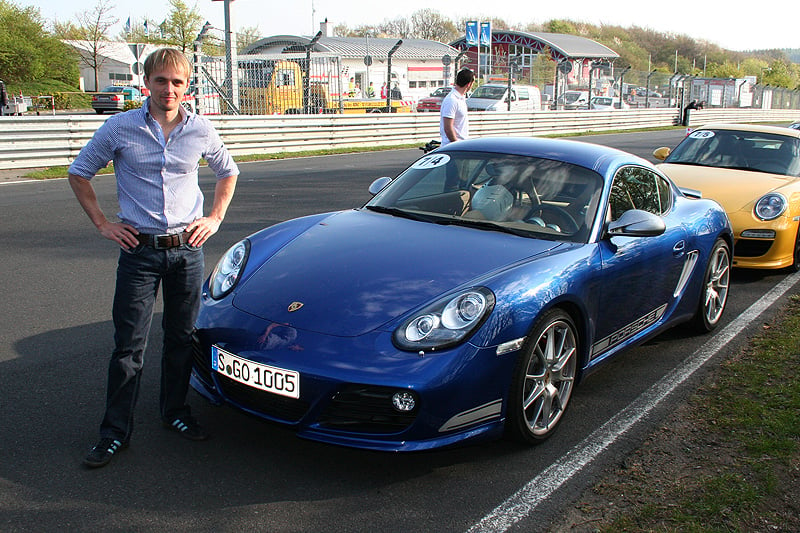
(166, 58)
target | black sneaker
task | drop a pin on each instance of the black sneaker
(188, 427)
(102, 453)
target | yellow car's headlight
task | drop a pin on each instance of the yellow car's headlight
(770, 206)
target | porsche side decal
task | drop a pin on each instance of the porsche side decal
(626, 332)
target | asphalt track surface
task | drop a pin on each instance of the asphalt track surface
(55, 337)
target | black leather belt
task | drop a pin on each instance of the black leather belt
(164, 242)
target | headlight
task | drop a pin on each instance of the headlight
(445, 322)
(226, 274)
(770, 206)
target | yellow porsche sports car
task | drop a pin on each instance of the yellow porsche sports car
(754, 173)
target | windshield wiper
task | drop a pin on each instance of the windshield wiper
(729, 167)
(489, 225)
(394, 211)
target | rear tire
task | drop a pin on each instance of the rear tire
(543, 379)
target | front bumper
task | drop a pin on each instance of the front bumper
(347, 384)
(763, 253)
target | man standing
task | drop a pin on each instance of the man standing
(156, 151)
(3, 98)
(453, 121)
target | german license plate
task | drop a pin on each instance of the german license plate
(256, 375)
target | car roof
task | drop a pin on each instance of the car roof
(756, 128)
(592, 156)
(118, 88)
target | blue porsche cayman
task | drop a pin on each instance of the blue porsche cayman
(466, 299)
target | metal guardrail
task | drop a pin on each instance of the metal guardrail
(43, 141)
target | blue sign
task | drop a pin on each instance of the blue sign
(486, 34)
(472, 33)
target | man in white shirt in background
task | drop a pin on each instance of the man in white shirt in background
(453, 122)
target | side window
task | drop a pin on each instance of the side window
(522, 94)
(639, 188)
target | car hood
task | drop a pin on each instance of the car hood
(481, 103)
(733, 189)
(357, 270)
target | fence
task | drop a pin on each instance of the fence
(29, 141)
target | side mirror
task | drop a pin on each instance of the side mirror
(637, 223)
(661, 153)
(379, 184)
(691, 193)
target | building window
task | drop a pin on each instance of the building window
(114, 76)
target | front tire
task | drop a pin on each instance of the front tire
(714, 294)
(795, 266)
(544, 378)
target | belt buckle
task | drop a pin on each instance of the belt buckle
(157, 244)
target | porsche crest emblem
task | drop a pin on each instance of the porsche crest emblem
(294, 306)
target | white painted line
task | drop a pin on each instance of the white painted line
(521, 504)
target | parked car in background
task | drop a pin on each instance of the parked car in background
(607, 103)
(754, 172)
(207, 98)
(496, 97)
(466, 300)
(574, 100)
(113, 98)
(643, 91)
(433, 103)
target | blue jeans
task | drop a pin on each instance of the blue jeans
(140, 271)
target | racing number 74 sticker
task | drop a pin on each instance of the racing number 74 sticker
(431, 161)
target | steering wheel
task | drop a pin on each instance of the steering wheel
(563, 216)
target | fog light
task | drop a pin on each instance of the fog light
(404, 401)
(758, 234)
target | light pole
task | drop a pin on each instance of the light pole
(231, 60)
(198, 41)
(621, 77)
(647, 94)
(389, 75)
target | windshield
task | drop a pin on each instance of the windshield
(441, 91)
(489, 92)
(571, 97)
(762, 152)
(498, 192)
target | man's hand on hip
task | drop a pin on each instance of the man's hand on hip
(121, 233)
(201, 229)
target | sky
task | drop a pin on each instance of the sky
(732, 25)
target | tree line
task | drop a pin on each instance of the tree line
(34, 57)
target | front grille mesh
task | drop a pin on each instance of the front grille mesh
(267, 403)
(365, 409)
(751, 247)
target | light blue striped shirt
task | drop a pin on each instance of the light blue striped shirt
(157, 182)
